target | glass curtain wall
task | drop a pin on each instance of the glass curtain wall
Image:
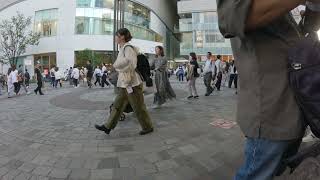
(203, 36)
(46, 22)
(95, 17)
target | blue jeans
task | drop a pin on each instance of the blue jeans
(180, 77)
(263, 158)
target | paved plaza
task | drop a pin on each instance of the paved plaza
(53, 137)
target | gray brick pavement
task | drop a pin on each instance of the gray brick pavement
(52, 137)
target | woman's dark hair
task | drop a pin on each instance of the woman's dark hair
(161, 50)
(9, 71)
(13, 67)
(193, 56)
(126, 33)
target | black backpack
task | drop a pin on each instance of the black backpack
(304, 79)
(143, 68)
(27, 75)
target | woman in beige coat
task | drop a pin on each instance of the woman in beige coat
(130, 86)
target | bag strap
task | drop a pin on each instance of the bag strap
(124, 49)
(124, 54)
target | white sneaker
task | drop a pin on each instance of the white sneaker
(309, 138)
(155, 106)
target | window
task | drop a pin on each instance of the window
(46, 22)
(84, 3)
(95, 17)
(214, 38)
(104, 4)
(95, 4)
(82, 25)
(137, 14)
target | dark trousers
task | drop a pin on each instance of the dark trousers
(27, 82)
(218, 83)
(104, 81)
(233, 79)
(56, 83)
(180, 77)
(70, 80)
(89, 78)
(22, 84)
(38, 89)
(207, 82)
(97, 81)
(75, 82)
(16, 87)
(53, 80)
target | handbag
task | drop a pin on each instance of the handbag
(149, 82)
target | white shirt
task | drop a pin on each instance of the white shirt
(97, 71)
(104, 68)
(232, 71)
(9, 78)
(14, 76)
(58, 75)
(208, 67)
(75, 73)
(218, 65)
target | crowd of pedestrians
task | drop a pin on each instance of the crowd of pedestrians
(19, 79)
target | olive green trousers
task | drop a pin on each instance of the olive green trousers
(136, 100)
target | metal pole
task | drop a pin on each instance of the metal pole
(115, 11)
(122, 12)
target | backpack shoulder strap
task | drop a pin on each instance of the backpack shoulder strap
(124, 49)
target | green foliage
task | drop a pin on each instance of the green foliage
(83, 56)
(15, 37)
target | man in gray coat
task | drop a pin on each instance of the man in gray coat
(262, 32)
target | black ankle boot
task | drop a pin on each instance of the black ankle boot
(144, 132)
(102, 128)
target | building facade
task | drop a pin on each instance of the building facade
(198, 27)
(68, 27)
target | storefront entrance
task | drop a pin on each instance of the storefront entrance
(46, 61)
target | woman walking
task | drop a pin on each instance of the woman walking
(10, 83)
(97, 73)
(192, 76)
(14, 78)
(38, 77)
(59, 77)
(75, 76)
(164, 90)
(130, 86)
